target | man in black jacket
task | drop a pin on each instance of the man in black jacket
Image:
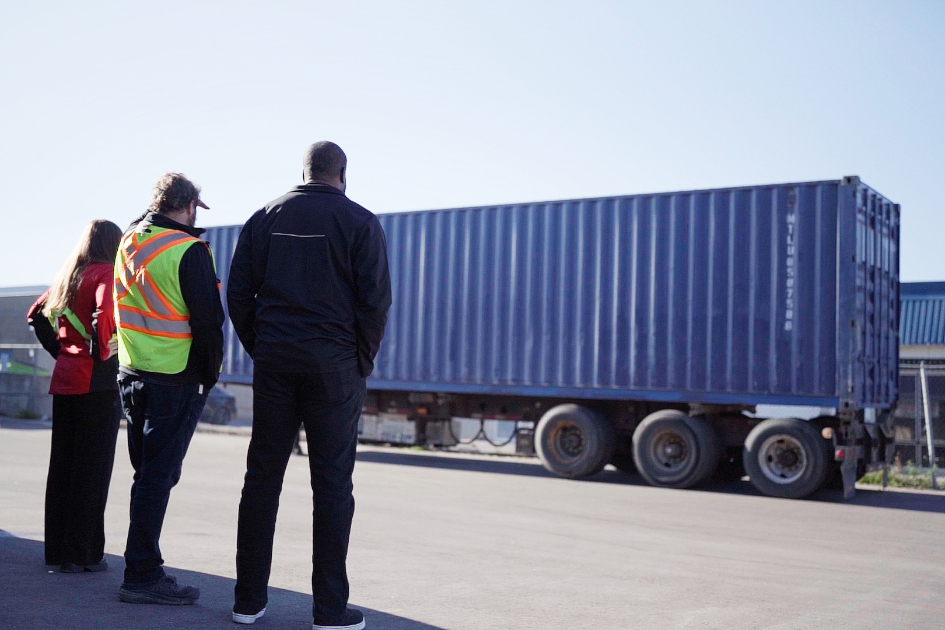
(308, 295)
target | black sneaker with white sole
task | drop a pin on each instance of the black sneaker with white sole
(352, 620)
(163, 591)
(241, 615)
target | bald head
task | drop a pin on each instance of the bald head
(325, 163)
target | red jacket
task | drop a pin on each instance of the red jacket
(82, 366)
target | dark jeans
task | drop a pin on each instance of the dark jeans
(161, 421)
(85, 428)
(329, 406)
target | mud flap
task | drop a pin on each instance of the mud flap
(848, 472)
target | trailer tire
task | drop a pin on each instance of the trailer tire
(574, 441)
(673, 450)
(786, 458)
(710, 447)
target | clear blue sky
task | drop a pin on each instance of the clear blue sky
(445, 104)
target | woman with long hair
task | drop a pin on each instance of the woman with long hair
(75, 322)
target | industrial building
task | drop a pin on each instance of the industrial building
(24, 366)
(921, 349)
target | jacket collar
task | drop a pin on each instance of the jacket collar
(310, 187)
(162, 221)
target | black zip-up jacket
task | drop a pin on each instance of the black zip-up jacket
(199, 287)
(309, 287)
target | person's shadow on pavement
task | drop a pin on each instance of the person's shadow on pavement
(33, 595)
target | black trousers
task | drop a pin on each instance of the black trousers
(328, 405)
(162, 418)
(85, 428)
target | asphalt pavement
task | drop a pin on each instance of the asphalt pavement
(476, 542)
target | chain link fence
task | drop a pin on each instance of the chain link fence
(24, 386)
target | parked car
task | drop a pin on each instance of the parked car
(220, 407)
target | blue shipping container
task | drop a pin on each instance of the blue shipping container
(780, 294)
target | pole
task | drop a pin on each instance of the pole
(31, 406)
(926, 411)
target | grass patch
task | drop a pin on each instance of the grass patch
(26, 414)
(901, 477)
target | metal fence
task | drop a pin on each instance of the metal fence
(23, 394)
(920, 414)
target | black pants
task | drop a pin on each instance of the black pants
(162, 418)
(85, 428)
(329, 406)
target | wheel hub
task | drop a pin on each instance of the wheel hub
(570, 441)
(782, 459)
(787, 459)
(670, 450)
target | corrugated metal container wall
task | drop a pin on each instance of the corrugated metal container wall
(868, 359)
(727, 296)
(237, 366)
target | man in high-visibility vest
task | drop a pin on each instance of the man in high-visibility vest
(170, 350)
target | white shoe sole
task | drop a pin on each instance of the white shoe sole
(247, 619)
(356, 626)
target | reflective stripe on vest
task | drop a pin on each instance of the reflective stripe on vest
(153, 320)
(136, 319)
(151, 294)
(138, 256)
(134, 271)
(70, 315)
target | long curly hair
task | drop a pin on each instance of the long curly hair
(98, 243)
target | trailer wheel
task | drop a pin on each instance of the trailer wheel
(574, 441)
(710, 447)
(673, 450)
(786, 458)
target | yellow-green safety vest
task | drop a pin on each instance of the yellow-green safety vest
(153, 320)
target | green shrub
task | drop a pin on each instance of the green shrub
(901, 477)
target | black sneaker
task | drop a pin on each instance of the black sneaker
(68, 567)
(163, 591)
(245, 615)
(352, 620)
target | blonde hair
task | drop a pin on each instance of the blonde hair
(98, 243)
